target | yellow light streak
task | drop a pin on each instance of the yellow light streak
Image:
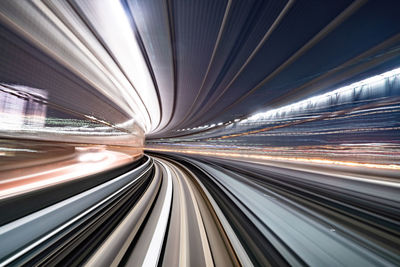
(266, 157)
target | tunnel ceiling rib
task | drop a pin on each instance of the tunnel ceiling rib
(250, 66)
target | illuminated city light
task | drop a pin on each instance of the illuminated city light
(266, 157)
(369, 82)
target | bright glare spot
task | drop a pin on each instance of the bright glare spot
(92, 157)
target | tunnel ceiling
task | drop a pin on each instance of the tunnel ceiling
(183, 64)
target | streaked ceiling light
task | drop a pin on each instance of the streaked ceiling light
(108, 15)
(319, 98)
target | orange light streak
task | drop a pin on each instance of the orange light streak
(293, 159)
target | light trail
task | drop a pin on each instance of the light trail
(85, 164)
(153, 252)
(294, 159)
(92, 199)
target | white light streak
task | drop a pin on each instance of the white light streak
(154, 250)
(320, 99)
